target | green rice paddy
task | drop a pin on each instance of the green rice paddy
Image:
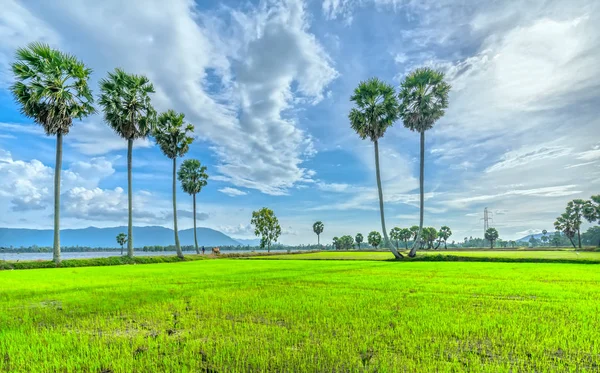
(237, 315)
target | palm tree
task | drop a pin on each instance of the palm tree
(376, 110)
(318, 229)
(52, 89)
(396, 236)
(424, 96)
(491, 235)
(121, 240)
(358, 239)
(544, 238)
(445, 233)
(405, 235)
(125, 100)
(171, 134)
(193, 178)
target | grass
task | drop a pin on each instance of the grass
(93, 262)
(302, 315)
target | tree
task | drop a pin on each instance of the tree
(566, 224)
(193, 178)
(358, 239)
(591, 212)
(544, 238)
(121, 240)
(125, 100)
(556, 239)
(345, 242)
(591, 236)
(532, 241)
(318, 229)
(429, 235)
(266, 226)
(415, 232)
(171, 134)
(374, 239)
(491, 235)
(444, 234)
(395, 235)
(52, 89)
(405, 235)
(336, 241)
(376, 110)
(572, 217)
(423, 96)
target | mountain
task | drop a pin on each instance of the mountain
(537, 236)
(106, 237)
(248, 242)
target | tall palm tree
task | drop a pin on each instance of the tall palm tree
(193, 178)
(376, 110)
(128, 110)
(318, 229)
(171, 135)
(424, 96)
(52, 89)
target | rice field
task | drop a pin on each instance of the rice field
(233, 315)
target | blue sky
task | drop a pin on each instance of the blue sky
(267, 86)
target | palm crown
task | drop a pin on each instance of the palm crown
(377, 109)
(51, 87)
(318, 227)
(192, 176)
(171, 134)
(423, 96)
(127, 106)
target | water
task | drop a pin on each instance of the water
(104, 254)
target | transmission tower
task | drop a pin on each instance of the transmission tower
(486, 220)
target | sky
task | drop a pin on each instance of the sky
(267, 86)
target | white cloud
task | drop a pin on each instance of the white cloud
(234, 73)
(232, 192)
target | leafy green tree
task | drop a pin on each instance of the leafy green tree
(445, 233)
(591, 236)
(429, 234)
(266, 226)
(172, 136)
(491, 235)
(345, 242)
(358, 239)
(52, 89)
(125, 100)
(121, 240)
(415, 232)
(193, 178)
(556, 239)
(405, 235)
(336, 241)
(395, 235)
(591, 212)
(423, 96)
(567, 225)
(376, 110)
(533, 242)
(571, 219)
(544, 240)
(374, 239)
(318, 229)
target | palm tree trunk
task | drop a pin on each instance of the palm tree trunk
(406, 244)
(413, 251)
(318, 239)
(195, 236)
(579, 237)
(177, 246)
(386, 241)
(129, 200)
(57, 171)
(445, 247)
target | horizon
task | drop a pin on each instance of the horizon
(521, 135)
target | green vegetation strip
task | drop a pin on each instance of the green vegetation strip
(302, 315)
(537, 256)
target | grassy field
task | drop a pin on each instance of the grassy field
(571, 255)
(234, 315)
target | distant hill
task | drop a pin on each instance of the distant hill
(537, 236)
(105, 237)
